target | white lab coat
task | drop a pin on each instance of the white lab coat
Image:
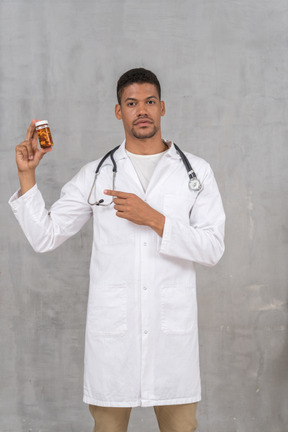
(141, 343)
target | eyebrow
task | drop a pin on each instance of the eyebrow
(133, 99)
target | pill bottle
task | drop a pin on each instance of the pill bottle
(44, 134)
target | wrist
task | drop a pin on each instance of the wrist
(157, 223)
(27, 173)
(27, 181)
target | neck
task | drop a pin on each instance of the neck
(147, 146)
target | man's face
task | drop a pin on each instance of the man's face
(140, 111)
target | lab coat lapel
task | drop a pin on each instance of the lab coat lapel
(167, 164)
(126, 172)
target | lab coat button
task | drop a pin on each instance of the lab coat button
(145, 244)
(146, 331)
(145, 288)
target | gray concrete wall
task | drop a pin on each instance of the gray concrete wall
(224, 71)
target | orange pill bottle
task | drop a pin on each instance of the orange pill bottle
(44, 134)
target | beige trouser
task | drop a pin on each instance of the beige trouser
(171, 418)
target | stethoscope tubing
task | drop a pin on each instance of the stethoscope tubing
(111, 155)
(194, 183)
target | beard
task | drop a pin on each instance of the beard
(144, 134)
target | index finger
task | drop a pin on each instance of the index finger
(117, 194)
(30, 130)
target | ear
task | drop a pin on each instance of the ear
(118, 112)
(163, 110)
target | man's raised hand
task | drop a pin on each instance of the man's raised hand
(28, 156)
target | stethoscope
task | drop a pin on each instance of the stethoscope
(194, 183)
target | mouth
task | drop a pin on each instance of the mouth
(143, 122)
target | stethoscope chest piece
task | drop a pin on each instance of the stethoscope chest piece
(195, 185)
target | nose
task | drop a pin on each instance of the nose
(141, 109)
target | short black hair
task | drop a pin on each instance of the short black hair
(137, 75)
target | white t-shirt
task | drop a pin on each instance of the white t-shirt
(144, 165)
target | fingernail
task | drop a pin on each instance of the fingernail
(31, 157)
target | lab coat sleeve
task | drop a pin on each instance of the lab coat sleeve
(202, 241)
(46, 230)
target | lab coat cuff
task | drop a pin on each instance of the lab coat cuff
(17, 198)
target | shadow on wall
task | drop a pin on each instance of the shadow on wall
(273, 367)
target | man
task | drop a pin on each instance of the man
(141, 345)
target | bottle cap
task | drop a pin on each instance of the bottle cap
(41, 123)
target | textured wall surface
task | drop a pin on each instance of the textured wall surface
(223, 66)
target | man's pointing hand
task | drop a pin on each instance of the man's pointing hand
(129, 206)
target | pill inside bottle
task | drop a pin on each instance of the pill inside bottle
(44, 134)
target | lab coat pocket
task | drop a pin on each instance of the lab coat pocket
(178, 309)
(107, 313)
(178, 206)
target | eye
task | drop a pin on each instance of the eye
(130, 104)
(151, 102)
